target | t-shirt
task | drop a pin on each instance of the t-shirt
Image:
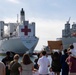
(51, 73)
(73, 52)
(43, 63)
(6, 61)
(14, 67)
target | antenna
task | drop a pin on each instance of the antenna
(17, 18)
(68, 20)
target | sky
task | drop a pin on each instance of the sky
(50, 16)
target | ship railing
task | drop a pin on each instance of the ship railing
(8, 38)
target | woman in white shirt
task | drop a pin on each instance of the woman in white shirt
(27, 65)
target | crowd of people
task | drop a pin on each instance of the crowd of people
(61, 63)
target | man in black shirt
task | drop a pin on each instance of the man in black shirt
(6, 60)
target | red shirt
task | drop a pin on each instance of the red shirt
(73, 66)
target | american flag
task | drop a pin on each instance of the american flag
(73, 34)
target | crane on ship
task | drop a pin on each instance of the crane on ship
(69, 20)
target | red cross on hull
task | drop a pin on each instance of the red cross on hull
(26, 30)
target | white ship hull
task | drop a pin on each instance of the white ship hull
(67, 41)
(18, 37)
(17, 45)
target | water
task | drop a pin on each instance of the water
(1, 57)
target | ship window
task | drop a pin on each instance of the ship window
(1, 29)
(14, 29)
(1, 34)
(10, 33)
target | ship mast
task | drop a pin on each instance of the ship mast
(68, 20)
(22, 16)
(17, 18)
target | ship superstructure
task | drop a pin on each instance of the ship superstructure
(69, 35)
(18, 37)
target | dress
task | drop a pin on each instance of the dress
(27, 69)
(56, 65)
